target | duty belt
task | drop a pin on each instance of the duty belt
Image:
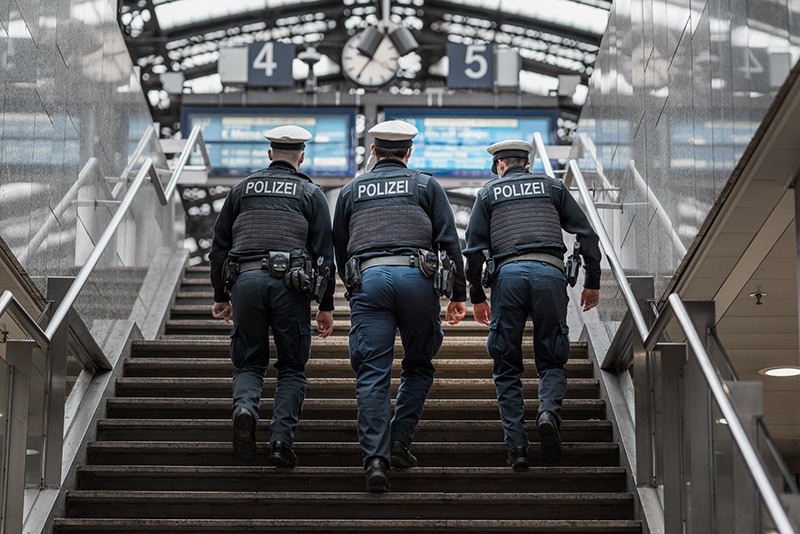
(534, 256)
(408, 261)
(254, 265)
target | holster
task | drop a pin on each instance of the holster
(489, 272)
(320, 280)
(428, 262)
(573, 265)
(444, 279)
(230, 272)
(278, 264)
(352, 273)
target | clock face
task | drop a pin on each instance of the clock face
(370, 72)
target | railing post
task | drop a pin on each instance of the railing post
(699, 453)
(18, 356)
(643, 401)
(673, 360)
(57, 288)
(749, 399)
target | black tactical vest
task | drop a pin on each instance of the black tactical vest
(386, 211)
(522, 212)
(270, 213)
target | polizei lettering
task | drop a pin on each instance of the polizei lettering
(514, 190)
(384, 188)
(271, 187)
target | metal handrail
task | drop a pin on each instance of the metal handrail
(10, 304)
(650, 338)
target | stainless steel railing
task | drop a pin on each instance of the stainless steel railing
(649, 339)
(54, 339)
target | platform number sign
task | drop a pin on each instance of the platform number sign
(270, 64)
(470, 65)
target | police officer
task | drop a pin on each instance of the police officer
(273, 227)
(388, 227)
(517, 218)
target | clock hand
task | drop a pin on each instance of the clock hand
(363, 69)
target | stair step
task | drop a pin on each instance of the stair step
(202, 310)
(371, 526)
(216, 408)
(351, 479)
(483, 388)
(345, 505)
(335, 430)
(336, 454)
(214, 327)
(221, 366)
(335, 347)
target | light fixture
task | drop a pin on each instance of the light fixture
(758, 295)
(370, 41)
(402, 40)
(781, 372)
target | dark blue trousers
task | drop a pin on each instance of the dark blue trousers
(536, 290)
(392, 298)
(261, 302)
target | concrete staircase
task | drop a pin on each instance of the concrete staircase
(163, 461)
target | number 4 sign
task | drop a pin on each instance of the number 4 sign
(270, 64)
(470, 65)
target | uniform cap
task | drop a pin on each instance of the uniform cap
(393, 134)
(509, 149)
(288, 137)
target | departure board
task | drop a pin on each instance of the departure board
(453, 142)
(237, 147)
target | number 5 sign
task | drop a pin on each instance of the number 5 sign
(470, 65)
(270, 64)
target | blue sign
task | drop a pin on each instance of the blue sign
(270, 64)
(452, 142)
(470, 66)
(237, 146)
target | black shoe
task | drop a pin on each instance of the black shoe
(549, 436)
(377, 476)
(282, 455)
(244, 436)
(401, 455)
(518, 459)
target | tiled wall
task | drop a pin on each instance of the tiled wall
(679, 89)
(68, 93)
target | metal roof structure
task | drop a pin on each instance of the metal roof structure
(554, 37)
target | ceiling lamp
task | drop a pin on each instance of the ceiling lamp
(781, 372)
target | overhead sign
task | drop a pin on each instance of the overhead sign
(236, 144)
(471, 65)
(270, 64)
(453, 142)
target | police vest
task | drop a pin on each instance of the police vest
(522, 212)
(386, 212)
(270, 213)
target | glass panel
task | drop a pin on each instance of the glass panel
(782, 479)
(35, 442)
(723, 477)
(5, 405)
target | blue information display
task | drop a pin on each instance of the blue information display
(453, 142)
(236, 144)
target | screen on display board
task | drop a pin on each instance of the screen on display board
(452, 142)
(236, 145)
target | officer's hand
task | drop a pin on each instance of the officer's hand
(324, 323)
(482, 313)
(589, 298)
(222, 310)
(455, 312)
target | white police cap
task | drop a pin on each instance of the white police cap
(393, 134)
(288, 137)
(509, 149)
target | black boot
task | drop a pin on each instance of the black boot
(401, 455)
(377, 476)
(549, 436)
(282, 455)
(518, 459)
(244, 436)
